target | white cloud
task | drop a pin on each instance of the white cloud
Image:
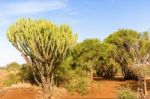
(31, 7)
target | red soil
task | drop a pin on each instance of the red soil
(101, 88)
(107, 89)
(15, 93)
(18, 93)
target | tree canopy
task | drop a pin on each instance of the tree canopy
(131, 49)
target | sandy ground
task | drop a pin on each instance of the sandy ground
(19, 93)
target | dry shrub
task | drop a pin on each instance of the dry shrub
(59, 92)
(126, 93)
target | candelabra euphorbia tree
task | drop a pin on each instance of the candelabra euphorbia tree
(44, 45)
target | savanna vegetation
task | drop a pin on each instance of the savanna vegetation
(54, 57)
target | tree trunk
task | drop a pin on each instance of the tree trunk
(47, 87)
(91, 73)
(46, 91)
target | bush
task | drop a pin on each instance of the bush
(64, 72)
(107, 70)
(73, 79)
(78, 85)
(13, 78)
(12, 67)
(78, 82)
(126, 93)
(16, 74)
(81, 86)
(26, 74)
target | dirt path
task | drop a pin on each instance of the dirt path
(107, 89)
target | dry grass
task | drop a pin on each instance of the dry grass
(59, 92)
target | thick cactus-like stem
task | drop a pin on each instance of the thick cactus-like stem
(44, 45)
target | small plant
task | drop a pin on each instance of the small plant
(81, 86)
(78, 85)
(126, 93)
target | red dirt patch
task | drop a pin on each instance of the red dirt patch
(107, 89)
(18, 93)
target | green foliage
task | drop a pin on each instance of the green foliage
(26, 74)
(64, 72)
(95, 57)
(73, 79)
(12, 67)
(145, 47)
(23, 74)
(13, 78)
(41, 39)
(108, 67)
(13, 70)
(78, 84)
(126, 93)
(86, 55)
(132, 48)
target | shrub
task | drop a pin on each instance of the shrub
(107, 69)
(78, 82)
(26, 74)
(12, 67)
(13, 78)
(79, 85)
(126, 93)
(16, 74)
(72, 78)
(64, 72)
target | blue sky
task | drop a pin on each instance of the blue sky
(88, 18)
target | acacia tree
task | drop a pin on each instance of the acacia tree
(44, 45)
(86, 55)
(132, 48)
(107, 67)
(96, 57)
